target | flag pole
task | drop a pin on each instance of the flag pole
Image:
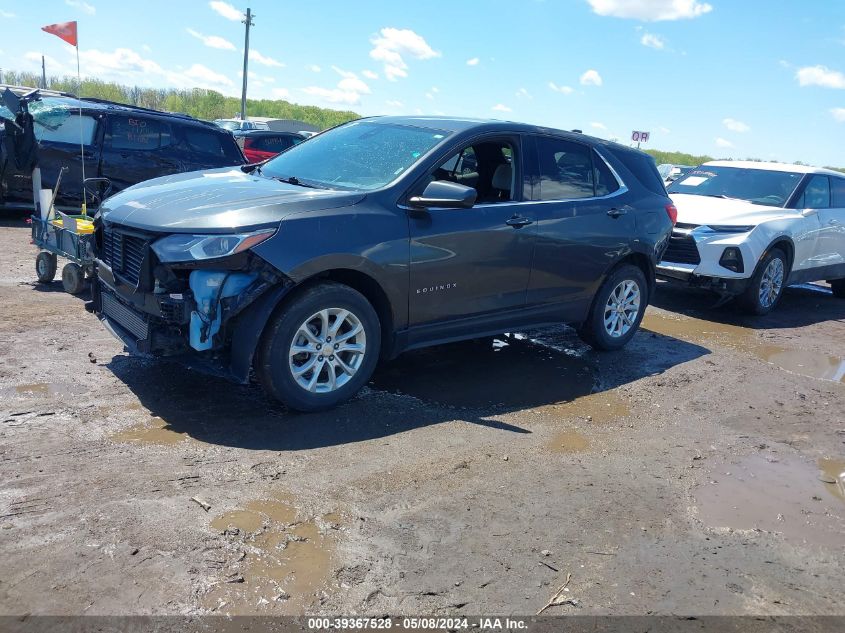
(81, 136)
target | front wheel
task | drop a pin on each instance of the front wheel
(320, 348)
(766, 286)
(73, 279)
(618, 309)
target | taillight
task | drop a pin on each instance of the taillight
(248, 142)
(672, 212)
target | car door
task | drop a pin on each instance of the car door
(815, 240)
(583, 224)
(65, 140)
(135, 149)
(477, 261)
(832, 222)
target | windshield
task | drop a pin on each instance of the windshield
(362, 155)
(758, 186)
(229, 125)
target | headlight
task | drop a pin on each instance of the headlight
(185, 248)
(725, 228)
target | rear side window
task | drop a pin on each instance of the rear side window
(566, 169)
(71, 129)
(644, 169)
(606, 183)
(837, 189)
(274, 143)
(211, 144)
(135, 133)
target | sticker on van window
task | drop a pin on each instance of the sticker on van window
(693, 181)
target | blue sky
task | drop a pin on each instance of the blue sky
(730, 78)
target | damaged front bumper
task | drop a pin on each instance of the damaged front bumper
(207, 318)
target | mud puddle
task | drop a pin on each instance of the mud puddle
(42, 389)
(284, 560)
(569, 442)
(804, 362)
(788, 496)
(510, 372)
(153, 431)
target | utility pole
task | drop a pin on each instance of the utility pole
(43, 74)
(248, 22)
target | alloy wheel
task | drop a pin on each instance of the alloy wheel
(622, 308)
(327, 350)
(771, 282)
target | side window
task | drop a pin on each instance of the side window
(816, 194)
(837, 186)
(137, 134)
(203, 142)
(485, 166)
(566, 169)
(606, 184)
(68, 130)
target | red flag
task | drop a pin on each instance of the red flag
(64, 30)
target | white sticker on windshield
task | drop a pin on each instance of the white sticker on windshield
(692, 181)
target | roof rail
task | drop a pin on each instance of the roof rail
(42, 91)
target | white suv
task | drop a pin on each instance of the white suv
(748, 229)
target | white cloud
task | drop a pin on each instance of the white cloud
(721, 142)
(561, 89)
(429, 96)
(435, 89)
(522, 93)
(203, 76)
(820, 76)
(369, 74)
(281, 93)
(473, 62)
(82, 6)
(392, 44)
(664, 130)
(333, 95)
(314, 68)
(146, 48)
(257, 57)
(212, 41)
(349, 89)
(394, 103)
(501, 107)
(6, 14)
(653, 41)
(651, 10)
(838, 114)
(735, 126)
(226, 10)
(591, 78)
(598, 126)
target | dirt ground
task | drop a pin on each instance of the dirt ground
(695, 472)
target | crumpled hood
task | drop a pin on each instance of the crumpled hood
(720, 211)
(215, 201)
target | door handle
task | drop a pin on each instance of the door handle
(615, 213)
(518, 222)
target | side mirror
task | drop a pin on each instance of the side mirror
(442, 193)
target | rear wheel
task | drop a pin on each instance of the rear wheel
(73, 279)
(320, 349)
(618, 309)
(766, 286)
(838, 288)
(45, 267)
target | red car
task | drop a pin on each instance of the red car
(259, 145)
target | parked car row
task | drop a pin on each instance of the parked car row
(125, 144)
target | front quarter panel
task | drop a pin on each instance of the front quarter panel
(368, 237)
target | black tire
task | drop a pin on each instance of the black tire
(73, 279)
(750, 300)
(272, 364)
(594, 331)
(838, 287)
(45, 267)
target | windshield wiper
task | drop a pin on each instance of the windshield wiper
(293, 180)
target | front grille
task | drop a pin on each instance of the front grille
(125, 317)
(124, 254)
(682, 250)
